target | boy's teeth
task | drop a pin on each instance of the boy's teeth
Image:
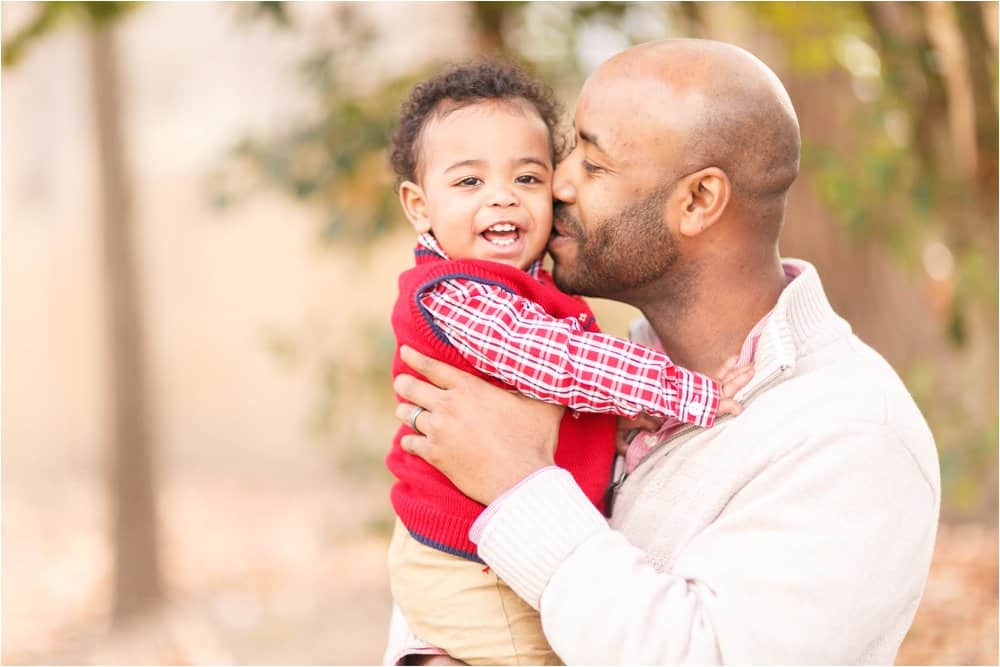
(502, 234)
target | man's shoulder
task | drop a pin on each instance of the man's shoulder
(848, 379)
(848, 391)
(834, 371)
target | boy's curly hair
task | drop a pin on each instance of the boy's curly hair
(467, 84)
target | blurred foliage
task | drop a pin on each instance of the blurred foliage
(356, 383)
(51, 15)
(276, 12)
(334, 159)
(909, 85)
(955, 420)
(901, 182)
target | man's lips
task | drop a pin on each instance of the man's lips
(559, 239)
(559, 228)
(564, 223)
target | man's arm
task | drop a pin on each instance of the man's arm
(820, 558)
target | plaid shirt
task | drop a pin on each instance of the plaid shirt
(556, 360)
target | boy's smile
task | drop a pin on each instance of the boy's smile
(485, 183)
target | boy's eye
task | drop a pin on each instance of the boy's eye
(471, 180)
(528, 179)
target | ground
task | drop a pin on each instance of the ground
(275, 570)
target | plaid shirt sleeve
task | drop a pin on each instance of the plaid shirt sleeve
(514, 340)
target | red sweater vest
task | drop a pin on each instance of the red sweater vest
(434, 511)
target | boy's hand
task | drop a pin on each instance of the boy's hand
(732, 379)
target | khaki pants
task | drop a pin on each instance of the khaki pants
(459, 606)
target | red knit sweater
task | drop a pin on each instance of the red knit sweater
(434, 511)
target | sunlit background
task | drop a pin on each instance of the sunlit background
(200, 237)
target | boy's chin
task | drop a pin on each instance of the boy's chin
(517, 263)
(521, 256)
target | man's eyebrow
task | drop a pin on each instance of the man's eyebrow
(465, 163)
(591, 139)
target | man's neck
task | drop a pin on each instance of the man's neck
(712, 324)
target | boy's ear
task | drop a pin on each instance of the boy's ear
(411, 196)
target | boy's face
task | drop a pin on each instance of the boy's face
(486, 183)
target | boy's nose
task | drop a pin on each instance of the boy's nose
(502, 197)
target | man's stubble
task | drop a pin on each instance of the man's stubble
(631, 256)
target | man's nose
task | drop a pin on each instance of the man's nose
(562, 185)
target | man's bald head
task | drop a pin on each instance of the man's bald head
(732, 112)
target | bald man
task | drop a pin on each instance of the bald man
(800, 531)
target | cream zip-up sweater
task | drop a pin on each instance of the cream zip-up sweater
(799, 532)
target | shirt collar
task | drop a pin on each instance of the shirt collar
(427, 241)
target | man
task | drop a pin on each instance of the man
(800, 531)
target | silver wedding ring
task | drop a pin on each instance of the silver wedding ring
(413, 418)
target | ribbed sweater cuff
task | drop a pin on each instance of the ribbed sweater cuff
(535, 529)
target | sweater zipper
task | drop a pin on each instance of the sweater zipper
(619, 475)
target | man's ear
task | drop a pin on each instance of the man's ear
(705, 197)
(411, 196)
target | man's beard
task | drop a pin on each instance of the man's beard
(621, 254)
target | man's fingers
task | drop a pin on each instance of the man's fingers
(415, 444)
(438, 372)
(418, 392)
(405, 410)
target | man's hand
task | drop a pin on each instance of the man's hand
(483, 438)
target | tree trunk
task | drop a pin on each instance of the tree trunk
(137, 586)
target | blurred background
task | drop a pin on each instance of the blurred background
(200, 245)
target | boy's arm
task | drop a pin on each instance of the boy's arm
(514, 340)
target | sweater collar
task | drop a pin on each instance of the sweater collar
(801, 321)
(427, 244)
